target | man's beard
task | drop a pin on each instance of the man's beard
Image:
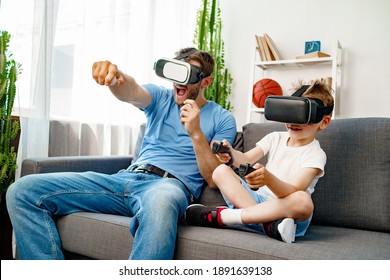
(193, 94)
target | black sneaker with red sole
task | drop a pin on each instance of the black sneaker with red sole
(204, 216)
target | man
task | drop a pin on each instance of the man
(173, 163)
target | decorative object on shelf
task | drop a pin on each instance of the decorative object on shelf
(266, 48)
(264, 88)
(208, 38)
(312, 46)
(313, 55)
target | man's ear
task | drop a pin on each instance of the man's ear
(206, 81)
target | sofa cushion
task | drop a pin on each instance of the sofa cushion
(138, 144)
(355, 191)
(96, 236)
(103, 236)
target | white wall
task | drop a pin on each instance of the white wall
(361, 26)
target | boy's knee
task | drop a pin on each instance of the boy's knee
(303, 205)
(220, 172)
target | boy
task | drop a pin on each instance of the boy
(276, 198)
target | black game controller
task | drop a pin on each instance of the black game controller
(218, 147)
(245, 169)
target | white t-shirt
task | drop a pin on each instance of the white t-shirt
(285, 162)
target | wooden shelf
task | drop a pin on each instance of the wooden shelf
(258, 110)
(264, 65)
(331, 65)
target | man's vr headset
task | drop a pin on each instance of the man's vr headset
(295, 109)
(177, 71)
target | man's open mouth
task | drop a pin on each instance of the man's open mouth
(180, 90)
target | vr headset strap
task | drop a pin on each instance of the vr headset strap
(300, 91)
(324, 110)
(186, 54)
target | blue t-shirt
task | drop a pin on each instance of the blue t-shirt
(166, 143)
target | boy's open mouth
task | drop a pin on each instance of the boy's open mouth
(294, 127)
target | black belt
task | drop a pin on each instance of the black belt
(146, 167)
(153, 169)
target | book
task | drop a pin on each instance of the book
(272, 47)
(313, 55)
(266, 48)
(260, 48)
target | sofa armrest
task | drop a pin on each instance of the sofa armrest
(102, 164)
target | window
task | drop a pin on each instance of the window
(58, 41)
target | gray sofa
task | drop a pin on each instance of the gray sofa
(352, 204)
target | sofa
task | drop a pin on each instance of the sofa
(351, 219)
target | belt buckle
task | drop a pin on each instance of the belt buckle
(139, 168)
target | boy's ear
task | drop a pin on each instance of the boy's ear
(325, 122)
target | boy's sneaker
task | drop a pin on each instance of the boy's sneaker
(200, 215)
(283, 230)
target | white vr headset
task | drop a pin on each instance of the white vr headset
(178, 71)
(295, 109)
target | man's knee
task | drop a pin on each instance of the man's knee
(17, 189)
(165, 197)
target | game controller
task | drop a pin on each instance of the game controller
(218, 147)
(113, 82)
(245, 169)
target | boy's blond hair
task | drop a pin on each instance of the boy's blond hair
(319, 89)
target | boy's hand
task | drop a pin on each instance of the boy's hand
(225, 157)
(257, 178)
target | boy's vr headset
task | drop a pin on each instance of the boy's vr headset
(295, 109)
(177, 71)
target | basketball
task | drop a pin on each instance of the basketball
(264, 88)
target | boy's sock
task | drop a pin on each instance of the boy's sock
(230, 217)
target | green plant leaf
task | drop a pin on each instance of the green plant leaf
(9, 129)
(207, 37)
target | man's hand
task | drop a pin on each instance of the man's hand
(104, 72)
(190, 117)
(123, 86)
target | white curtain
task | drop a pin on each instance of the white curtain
(57, 42)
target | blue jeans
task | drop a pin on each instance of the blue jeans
(155, 203)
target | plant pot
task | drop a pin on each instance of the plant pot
(5, 232)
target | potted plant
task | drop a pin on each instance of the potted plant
(208, 38)
(9, 137)
(9, 126)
